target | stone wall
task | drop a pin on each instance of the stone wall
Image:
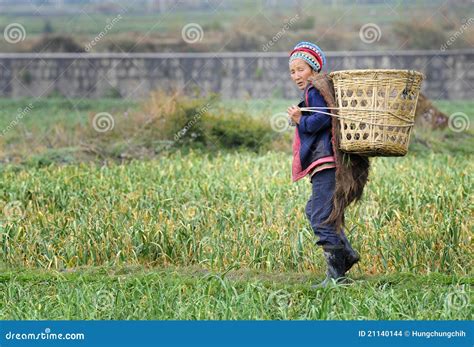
(449, 74)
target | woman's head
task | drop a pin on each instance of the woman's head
(306, 60)
(300, 71)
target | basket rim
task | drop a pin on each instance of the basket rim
(368, 71)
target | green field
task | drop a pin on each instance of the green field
(89, 20)
(237, 26)
(198, 234)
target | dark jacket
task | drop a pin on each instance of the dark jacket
(312, 144)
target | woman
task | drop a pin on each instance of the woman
(335, 181)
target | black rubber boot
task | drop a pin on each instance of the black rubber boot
(336, 264)
(350, 255)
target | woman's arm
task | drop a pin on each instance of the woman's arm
(312, 122)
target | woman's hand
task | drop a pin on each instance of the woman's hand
(295, 113)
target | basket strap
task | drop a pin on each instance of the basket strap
(310, 109)
(317, 110)
(355, 109)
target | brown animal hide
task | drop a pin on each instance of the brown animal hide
(352, 170)
(428, 116)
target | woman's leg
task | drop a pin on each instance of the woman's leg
(319, 208)
(326, 234)
(339, 255)
(351, 256)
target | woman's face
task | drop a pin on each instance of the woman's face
(300, 71)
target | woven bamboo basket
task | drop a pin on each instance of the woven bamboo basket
(376, 110)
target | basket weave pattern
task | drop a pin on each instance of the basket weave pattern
(376, 110)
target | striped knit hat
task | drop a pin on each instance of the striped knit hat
(311, 53)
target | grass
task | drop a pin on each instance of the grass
(191, 293)
(43, 114)
(59, 128)
(223, 235)
(231, 209)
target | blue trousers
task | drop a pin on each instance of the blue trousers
(319, 207)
